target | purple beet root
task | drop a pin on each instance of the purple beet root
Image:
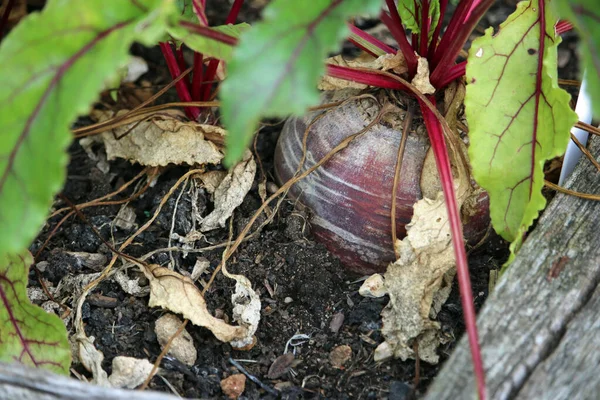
(350, 195)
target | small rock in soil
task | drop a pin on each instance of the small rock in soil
(280, 366)
(399, 391)
(373, 287)
(182, 347)
(337, 320)
(340, 355)
(234, 386)
(125, 218)
(93, 261)
(129, 372)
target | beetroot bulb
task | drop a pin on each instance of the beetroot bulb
(350, 196)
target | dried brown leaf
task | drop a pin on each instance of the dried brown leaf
(162, 140)
(177, 293)
(419, 282)
(331, 83)
(230, 193)
(421, 79)
(395, 62)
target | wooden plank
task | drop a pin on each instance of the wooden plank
(571, 371)
(23, 383)
(538, 329)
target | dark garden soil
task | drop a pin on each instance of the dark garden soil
(303, 289)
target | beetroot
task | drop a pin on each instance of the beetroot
(350, 195)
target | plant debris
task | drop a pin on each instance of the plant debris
(161, 140)
(182, 346)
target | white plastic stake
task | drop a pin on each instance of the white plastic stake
(583, 108)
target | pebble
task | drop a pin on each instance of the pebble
(340, 355)
(399, 391)
(42, 265)
(234, 385)
(288, 300)
(373, 287)
(182, 347)
(337, 320)
(280, 366)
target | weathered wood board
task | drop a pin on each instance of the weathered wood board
(18, 382)
(540, 328)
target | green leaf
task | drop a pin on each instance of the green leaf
(518, 117)
(411, 18)
(186, 10)
(585, 16)
(207, 46)
(408, 15)
(28, 334)
(54, 63)
(434, 14)
(277, 64)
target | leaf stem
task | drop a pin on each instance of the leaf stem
(197, 77)
(435, 38)
(211, 70)
(182, 89)
(451, 31)
(370, 39)
(455, 72)
(436, 137)
(425, 22)
(470, 17)
(394, 24)
(563, 26)
(199, 10)
(181, 62)
(363, 75)
(209, 33)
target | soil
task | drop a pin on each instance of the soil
(302, 287)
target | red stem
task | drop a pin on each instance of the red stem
(436, 137)
(199, 10)
(363, 75)
(198, 75)
(5, 16)
(563, 26)
(425, 24)
(371, 39)
(182, 90)
(209, 77)
(181, 60)
(394, 24)
(453, 27)
(354, 42)
(436, 33)
(209, 33)
(234, 12)
(211, 70)
(449, 54)
(456, 71)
